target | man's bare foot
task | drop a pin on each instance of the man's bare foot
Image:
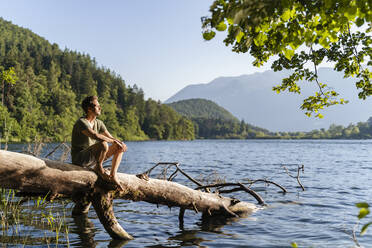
(143, 176)
(103, 174)
(115, 180)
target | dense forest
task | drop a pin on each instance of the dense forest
(361, 130)
(42, 88)
(202, 108)
(212, 121)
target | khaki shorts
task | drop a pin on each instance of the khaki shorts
(86, 157)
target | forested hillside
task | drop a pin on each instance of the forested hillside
(42, 88)
(213, 121)
(202, 108)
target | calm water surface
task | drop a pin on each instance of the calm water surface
(337, 175)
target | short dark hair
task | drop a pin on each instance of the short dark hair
(88, 102)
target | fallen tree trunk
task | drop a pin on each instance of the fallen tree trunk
(31, 175)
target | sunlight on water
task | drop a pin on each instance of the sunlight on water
(337, 175)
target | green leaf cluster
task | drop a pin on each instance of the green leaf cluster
(299, 35)
(363, 212)
(43, 86)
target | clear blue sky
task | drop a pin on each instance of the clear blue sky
(155, 44)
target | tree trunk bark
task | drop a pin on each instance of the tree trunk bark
(42, 176)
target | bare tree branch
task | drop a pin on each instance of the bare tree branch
(300, 168)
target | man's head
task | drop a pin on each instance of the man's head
(91, 103)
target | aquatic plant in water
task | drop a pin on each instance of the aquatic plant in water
(29, 221)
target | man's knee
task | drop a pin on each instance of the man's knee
(118, 149)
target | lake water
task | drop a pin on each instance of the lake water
(337, 175)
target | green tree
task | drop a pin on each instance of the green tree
(8, 78)
(299, 34)
(185, 129)
(9, 127)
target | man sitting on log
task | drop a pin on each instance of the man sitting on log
(89, 144)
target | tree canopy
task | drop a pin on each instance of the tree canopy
(201, 108)
(300, 35)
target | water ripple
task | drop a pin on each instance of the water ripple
(337, 175)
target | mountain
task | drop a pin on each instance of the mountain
(250, 97)
(41, 99)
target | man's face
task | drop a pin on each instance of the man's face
(97, 108)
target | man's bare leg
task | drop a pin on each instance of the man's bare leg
(102, 150)
(114, 168)
(118, 154)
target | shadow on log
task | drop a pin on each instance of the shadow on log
(35, 176)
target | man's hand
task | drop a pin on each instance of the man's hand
(121, 145)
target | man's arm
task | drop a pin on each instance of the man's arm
(118, 142)
(98, 136)
(105, 136)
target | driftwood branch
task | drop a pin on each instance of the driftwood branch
(63, 144)
(299, 169)
(218, 186)
(241, 187)
(178, 169)
(251, 182)
(32, 175)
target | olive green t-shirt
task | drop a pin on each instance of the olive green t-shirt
(80, 141)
